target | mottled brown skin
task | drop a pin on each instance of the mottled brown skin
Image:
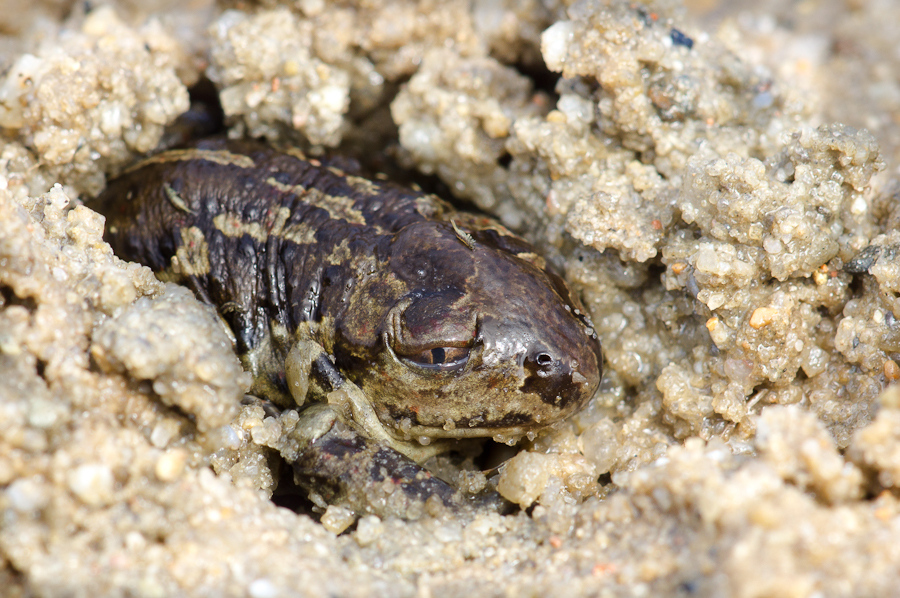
(450, 325)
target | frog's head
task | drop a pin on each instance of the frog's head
(475, 337)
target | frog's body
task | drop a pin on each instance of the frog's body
(449, 325)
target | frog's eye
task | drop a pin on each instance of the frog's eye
(440, 358)
(433, 331)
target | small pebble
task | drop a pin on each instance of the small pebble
(27, 495)
(762, 316)
(680, 39)
(891, 370)
(524, 478)
(337, 519)
(263, 588)
(92, 483)
(368, 529)
(170, 465)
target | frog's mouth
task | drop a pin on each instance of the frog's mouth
(425, 434)
(404, 424)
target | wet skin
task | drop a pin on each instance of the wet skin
(448, 324)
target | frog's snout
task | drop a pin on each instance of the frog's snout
(552, 377)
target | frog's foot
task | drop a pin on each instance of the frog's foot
(340, 466)
(309, 366)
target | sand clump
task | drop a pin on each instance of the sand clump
(732, 240)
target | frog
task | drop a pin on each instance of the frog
(395, 324)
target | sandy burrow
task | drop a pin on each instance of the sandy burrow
(735, 247)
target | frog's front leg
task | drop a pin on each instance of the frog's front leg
(308, 365)
(346, 457)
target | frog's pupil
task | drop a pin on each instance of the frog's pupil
(438, 355)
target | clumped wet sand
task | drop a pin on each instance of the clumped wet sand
(719, 182)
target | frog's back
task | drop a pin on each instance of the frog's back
(259, 233)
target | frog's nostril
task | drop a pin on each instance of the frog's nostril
(541, 363)
(543, 359)
(551, 378)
